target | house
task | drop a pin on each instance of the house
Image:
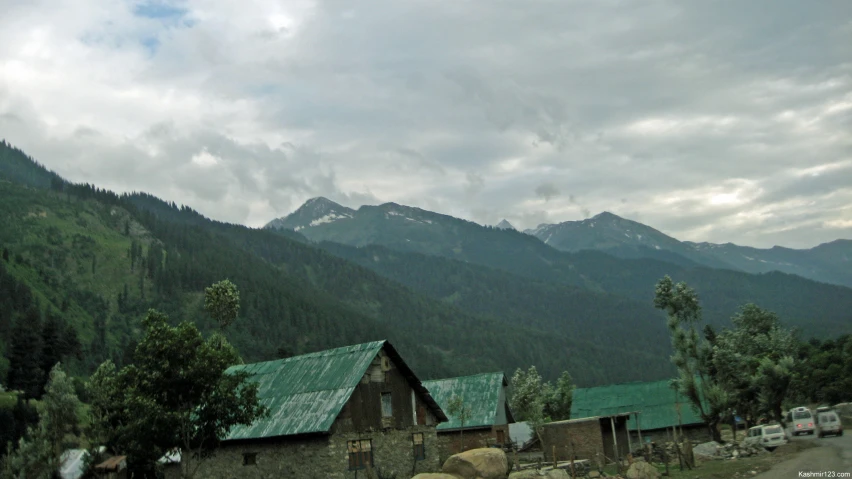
(659, 409)
(489, 416)
(600, 439)
(333, 414)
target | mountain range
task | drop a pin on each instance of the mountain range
(322, 219)
(455, 297)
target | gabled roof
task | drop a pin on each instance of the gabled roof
(656, 402)
(306, 393)
(481, 393)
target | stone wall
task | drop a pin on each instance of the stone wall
(322, 457)
(583, 438)
(450, 442)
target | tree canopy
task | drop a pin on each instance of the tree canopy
(177, 394)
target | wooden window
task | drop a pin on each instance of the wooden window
(387, 405)
(419, 447)
(249, 458)
(421, 415)
(360, 454)
(501, 437)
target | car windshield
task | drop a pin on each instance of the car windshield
(772, 430)
(801, 415)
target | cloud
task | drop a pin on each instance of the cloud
(720, 121)
(547, 191)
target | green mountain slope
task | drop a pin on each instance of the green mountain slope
(589, 357)
(103, 259)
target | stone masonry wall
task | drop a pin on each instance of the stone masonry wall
(585, 437)
(322, 457)
(450, 442)
(393, 451)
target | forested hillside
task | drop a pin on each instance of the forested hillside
(407, 229)
(99, 260)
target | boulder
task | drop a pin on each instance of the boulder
(483, 463)
(642, 470)
(434, 475)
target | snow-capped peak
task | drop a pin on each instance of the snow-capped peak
(314, 212)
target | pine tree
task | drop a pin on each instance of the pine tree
(25, 352)
(51, 352)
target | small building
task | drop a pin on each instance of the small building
(490, 416)
(659, 408)
(72, 463)
(113, 468)
(332, 415)
(600, 439)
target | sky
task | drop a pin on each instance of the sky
(722, 121)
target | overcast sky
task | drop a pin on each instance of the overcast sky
(710, 121)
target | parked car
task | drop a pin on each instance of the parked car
(828, 423)
(800, 420)
(768, 436)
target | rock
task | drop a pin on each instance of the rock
(594, 474)
(483, 463)
(707, 449)
(528, 474)
(434, 475)
(642, 470)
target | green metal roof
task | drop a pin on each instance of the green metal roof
(482, 393)
(306, 393)
(656, 402)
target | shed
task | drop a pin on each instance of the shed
(485, 396)
(600, 439)
(659, 407)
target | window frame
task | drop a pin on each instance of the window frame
(419, 450)
(389, 397)
(249, 459)
(357, 455)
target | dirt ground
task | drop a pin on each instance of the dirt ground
(832, 459)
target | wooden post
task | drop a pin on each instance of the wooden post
(614, 437)
(515, 456)
(573, 453)
(629, 441)
(554, 457)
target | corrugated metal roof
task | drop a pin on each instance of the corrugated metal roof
(306, 393)
(481, 393)
(656, 403)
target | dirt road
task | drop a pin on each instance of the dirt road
(832, 460)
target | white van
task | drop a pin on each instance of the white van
(800, 420)
(768, 436)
